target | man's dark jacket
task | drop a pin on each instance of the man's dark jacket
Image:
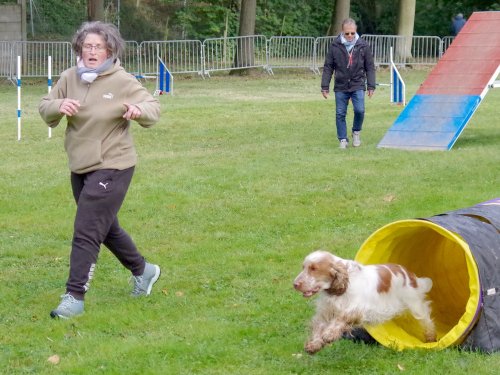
(358, 76)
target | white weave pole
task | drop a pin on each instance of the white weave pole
(49, 83)
(18, 98)
(158, 72)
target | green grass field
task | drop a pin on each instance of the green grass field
(240, 180)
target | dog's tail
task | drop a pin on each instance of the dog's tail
(424, 284)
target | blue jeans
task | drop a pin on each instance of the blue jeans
(341, 102)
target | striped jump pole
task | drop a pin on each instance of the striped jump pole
(49, 88)
(398, 87)
(49, 83)
(18, 98)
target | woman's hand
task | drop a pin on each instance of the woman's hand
(69, 107)
(132, 112)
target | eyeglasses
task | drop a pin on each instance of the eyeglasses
(90, 47)
(354, 33)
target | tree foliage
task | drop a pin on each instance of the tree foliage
(433, 17)
(201, 20)
(191, 19)
(55, 19)
(304, 18)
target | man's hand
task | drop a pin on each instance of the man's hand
(132, 112)
(370, 93)
(325, 93)
(69, 107)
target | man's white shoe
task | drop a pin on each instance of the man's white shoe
(356, 139)
(144, 283)
(343, 143)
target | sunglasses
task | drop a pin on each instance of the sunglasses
(350, 33)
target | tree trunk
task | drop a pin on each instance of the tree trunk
(245, 51)
(340, 12)
(95, 10)
(406, 21)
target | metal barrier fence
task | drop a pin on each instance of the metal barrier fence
(222, 54)
(234, 53)
(321, 49)
(180, 56)
(290, 52)
(425, 50)
(381, 46)
(131, 58)
(5, 62)
(446, 41)
(418, 50)
(34, 56)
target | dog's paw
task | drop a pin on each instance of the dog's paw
(331, 335)
(313, 346)
(328, 337)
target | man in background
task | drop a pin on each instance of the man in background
(457, 23)
(350, 59)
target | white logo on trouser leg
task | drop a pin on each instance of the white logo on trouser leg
(91, 275)
(105, 186)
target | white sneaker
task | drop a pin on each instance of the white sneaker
(356, 139)
(144, 283)
(68, 308)
(343, 143)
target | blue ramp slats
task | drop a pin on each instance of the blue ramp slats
(431, 122)
(426, 140)
(428, 124)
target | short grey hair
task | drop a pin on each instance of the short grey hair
(349, 21)
(109, 32)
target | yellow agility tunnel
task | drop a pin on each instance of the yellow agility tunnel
(460, 252)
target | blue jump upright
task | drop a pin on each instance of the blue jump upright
(165, 80)
(438, 113)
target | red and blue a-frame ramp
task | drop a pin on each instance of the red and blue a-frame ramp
(438, 113)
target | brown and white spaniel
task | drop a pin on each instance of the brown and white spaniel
(352, 295)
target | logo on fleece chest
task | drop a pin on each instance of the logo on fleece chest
(103, 105)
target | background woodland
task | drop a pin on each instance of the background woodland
(186, 19)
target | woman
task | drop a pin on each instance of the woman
(99, 99)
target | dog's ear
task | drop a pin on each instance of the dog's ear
(340, 279)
